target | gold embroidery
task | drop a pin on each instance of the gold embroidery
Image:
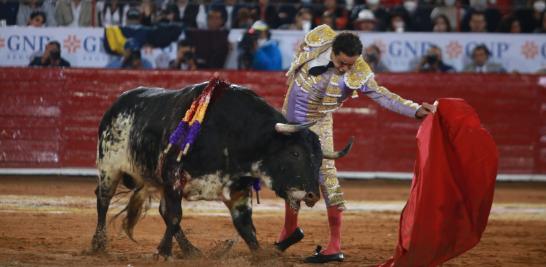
(358, 75)
(330, 186)
(320, 36)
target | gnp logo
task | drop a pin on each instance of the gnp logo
(497, 49)
(26, 43)
(71, 43)
(408, 49)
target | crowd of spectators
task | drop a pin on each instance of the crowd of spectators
(513, 16)
(258, 17)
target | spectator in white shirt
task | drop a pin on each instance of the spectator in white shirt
(76, 13)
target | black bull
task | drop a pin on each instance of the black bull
(242, 139)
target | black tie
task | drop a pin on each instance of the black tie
(318, 70)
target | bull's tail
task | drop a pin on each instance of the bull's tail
(134, 209)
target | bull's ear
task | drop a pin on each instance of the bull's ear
(292, 128)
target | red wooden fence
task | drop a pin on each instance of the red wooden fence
(49, 117)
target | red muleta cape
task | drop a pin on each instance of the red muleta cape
(452, 189)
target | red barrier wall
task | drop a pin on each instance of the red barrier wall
(49, 117)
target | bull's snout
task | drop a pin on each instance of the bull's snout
(311, 198)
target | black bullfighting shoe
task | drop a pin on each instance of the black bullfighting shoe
(294, 238)
(321, 258)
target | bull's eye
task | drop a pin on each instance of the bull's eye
(295, 154)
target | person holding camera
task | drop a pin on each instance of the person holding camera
(51, 57)
(185, 57)
(432, 61)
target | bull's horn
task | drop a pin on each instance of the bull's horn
(339, 154)
(292, 128)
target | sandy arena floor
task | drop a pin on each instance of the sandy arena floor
(49, 221)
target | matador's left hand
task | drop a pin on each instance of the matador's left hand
(425, 109)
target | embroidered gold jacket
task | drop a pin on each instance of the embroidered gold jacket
(311, 97)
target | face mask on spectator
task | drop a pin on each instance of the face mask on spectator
(261, 42)
(410, 6)
(539, 6)
(449, 2)
(306, 25)
(398, 26)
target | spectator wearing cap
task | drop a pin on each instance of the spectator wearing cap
(37, 19)
(365, 21)
(75, 13)
(51, 57)
(380, 13)
(480, 62)
(258, 51)
(131, 59)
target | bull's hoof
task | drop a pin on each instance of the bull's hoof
(98, 244)
(164, 250)
(158, 255)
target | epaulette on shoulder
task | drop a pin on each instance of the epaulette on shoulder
(320, 36)
(359, 74)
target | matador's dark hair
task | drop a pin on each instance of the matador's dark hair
(348, 43)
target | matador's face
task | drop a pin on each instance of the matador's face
(342, 62)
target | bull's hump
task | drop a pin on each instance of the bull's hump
(148, 92)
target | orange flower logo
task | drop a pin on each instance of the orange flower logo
(72, 43)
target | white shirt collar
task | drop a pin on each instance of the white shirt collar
(322, 60)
